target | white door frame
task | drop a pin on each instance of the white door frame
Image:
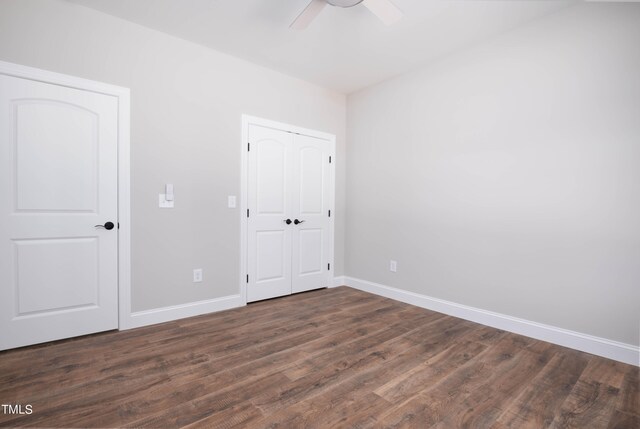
(124, 178)
(244, 168)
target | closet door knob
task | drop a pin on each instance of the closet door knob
(108, 226)
(296, 222)
(288, 221)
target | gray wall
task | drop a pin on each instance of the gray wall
(507, 176)
(186, 106)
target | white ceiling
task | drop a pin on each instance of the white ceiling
(343, 49)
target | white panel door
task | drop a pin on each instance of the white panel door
(58, 180)
(269, 200)
(289, 192)
(311, 199)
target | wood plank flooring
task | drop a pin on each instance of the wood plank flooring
(323, 359)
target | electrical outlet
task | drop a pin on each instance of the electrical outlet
(393, 266)
(197, 275)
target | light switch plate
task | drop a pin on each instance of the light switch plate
(231, 201)
(163, 203)
(197, 275)
(393, 266)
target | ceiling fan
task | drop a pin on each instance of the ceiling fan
(383, 9)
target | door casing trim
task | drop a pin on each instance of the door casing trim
(248, 120)
(124, 174)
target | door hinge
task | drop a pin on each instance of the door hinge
(329, 213)
(329, 159)
(247, 278)
(248, 147)
(118, 225)
(328, 266)
(247, 212)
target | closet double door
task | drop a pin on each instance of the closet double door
(290, 189)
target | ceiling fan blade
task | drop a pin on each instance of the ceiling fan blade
(385, 10)
(308, 14)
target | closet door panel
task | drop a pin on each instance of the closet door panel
(311, 199)
(269, 198)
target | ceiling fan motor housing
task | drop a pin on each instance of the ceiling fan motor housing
(344, 3)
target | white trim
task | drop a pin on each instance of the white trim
(615, 350)
(124, 212)
(339, 281)
(244, 171)
(331, 138)
(332, 185)
(45, 76)
(124, 175)
(175, 312)
(248, 119)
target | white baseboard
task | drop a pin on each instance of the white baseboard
(175, 312)
(339, 281)
(615, 350)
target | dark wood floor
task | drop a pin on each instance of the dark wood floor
(323, 359)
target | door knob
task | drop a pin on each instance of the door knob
(296, 222)
(288, 221)
(108, 226)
